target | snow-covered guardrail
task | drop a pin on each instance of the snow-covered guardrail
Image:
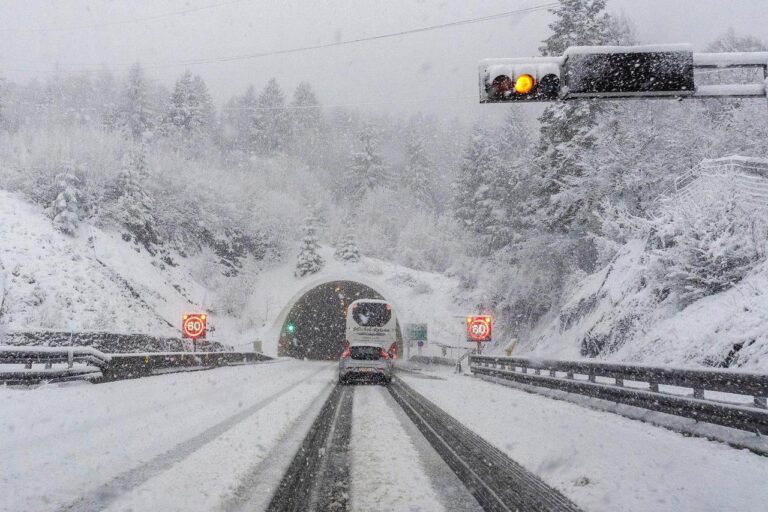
(724, 397)
(72, 363)
(131, 366)
(30, 365)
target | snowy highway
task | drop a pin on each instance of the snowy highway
(224, 439)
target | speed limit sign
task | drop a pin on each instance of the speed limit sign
(193, 325)
(479, 328)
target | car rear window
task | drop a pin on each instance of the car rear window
(371, 314)
(365, 353)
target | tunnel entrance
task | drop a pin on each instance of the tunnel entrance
(315, 326)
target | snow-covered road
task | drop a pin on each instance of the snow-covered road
(222, 439)
(602, 461)
(174, 442)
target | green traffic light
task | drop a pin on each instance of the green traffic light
(291, 328)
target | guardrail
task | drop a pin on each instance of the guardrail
(85, 363)
(691, 393)
(131, 366)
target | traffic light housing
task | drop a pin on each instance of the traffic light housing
(536, 79)
(591, 72)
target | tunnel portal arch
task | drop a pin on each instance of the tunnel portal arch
(317, 320)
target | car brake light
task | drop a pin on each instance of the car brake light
(383, 353)
(345, 354)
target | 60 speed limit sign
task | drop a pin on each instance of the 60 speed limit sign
(479, 328)
(193, 325)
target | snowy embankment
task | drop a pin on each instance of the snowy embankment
(688, 287)
(616, 308)
(93, 281)
(602, 461)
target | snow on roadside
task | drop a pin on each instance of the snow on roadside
(60, 442)
(386, 473)
(602, 461)
(205, 479)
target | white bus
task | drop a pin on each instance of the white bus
(372, 321)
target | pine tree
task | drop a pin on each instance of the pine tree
(309, 260)
(271, 127)
(239, 118)
(66, 206)
(366, 169)
(473, 199)
(419, 170)
(190, 110)
(710, 247)
(136, 114)
(133, 208)
(561, 188)
(306, 121)
(567, 129)
(347, 249)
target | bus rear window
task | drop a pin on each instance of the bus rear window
(372, 314)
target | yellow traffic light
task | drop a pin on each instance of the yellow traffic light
(524, 84)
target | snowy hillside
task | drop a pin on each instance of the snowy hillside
(97, 281)
(91, 281)
(627, 312)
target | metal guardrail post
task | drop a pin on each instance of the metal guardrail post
(761, 402)
(698, 393)
(619, 382)
(591, 377)
(653, 386)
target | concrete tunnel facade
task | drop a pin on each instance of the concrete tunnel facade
(317, 320)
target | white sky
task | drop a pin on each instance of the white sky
(433, 71)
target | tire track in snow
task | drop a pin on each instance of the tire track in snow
(318, 477)
(101, 497)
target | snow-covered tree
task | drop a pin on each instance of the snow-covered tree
(474, 200)
(66, 207)
(707, 248)
(419, 173)
(135, 113)
(190, 110)
(271, 126)
(567, 128)
(366, 169)
(309, 260)
(134, 208)
(238, 119)
(347, 249)
(306, 121)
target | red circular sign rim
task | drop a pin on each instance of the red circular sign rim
(476, 321)
(194, 334)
